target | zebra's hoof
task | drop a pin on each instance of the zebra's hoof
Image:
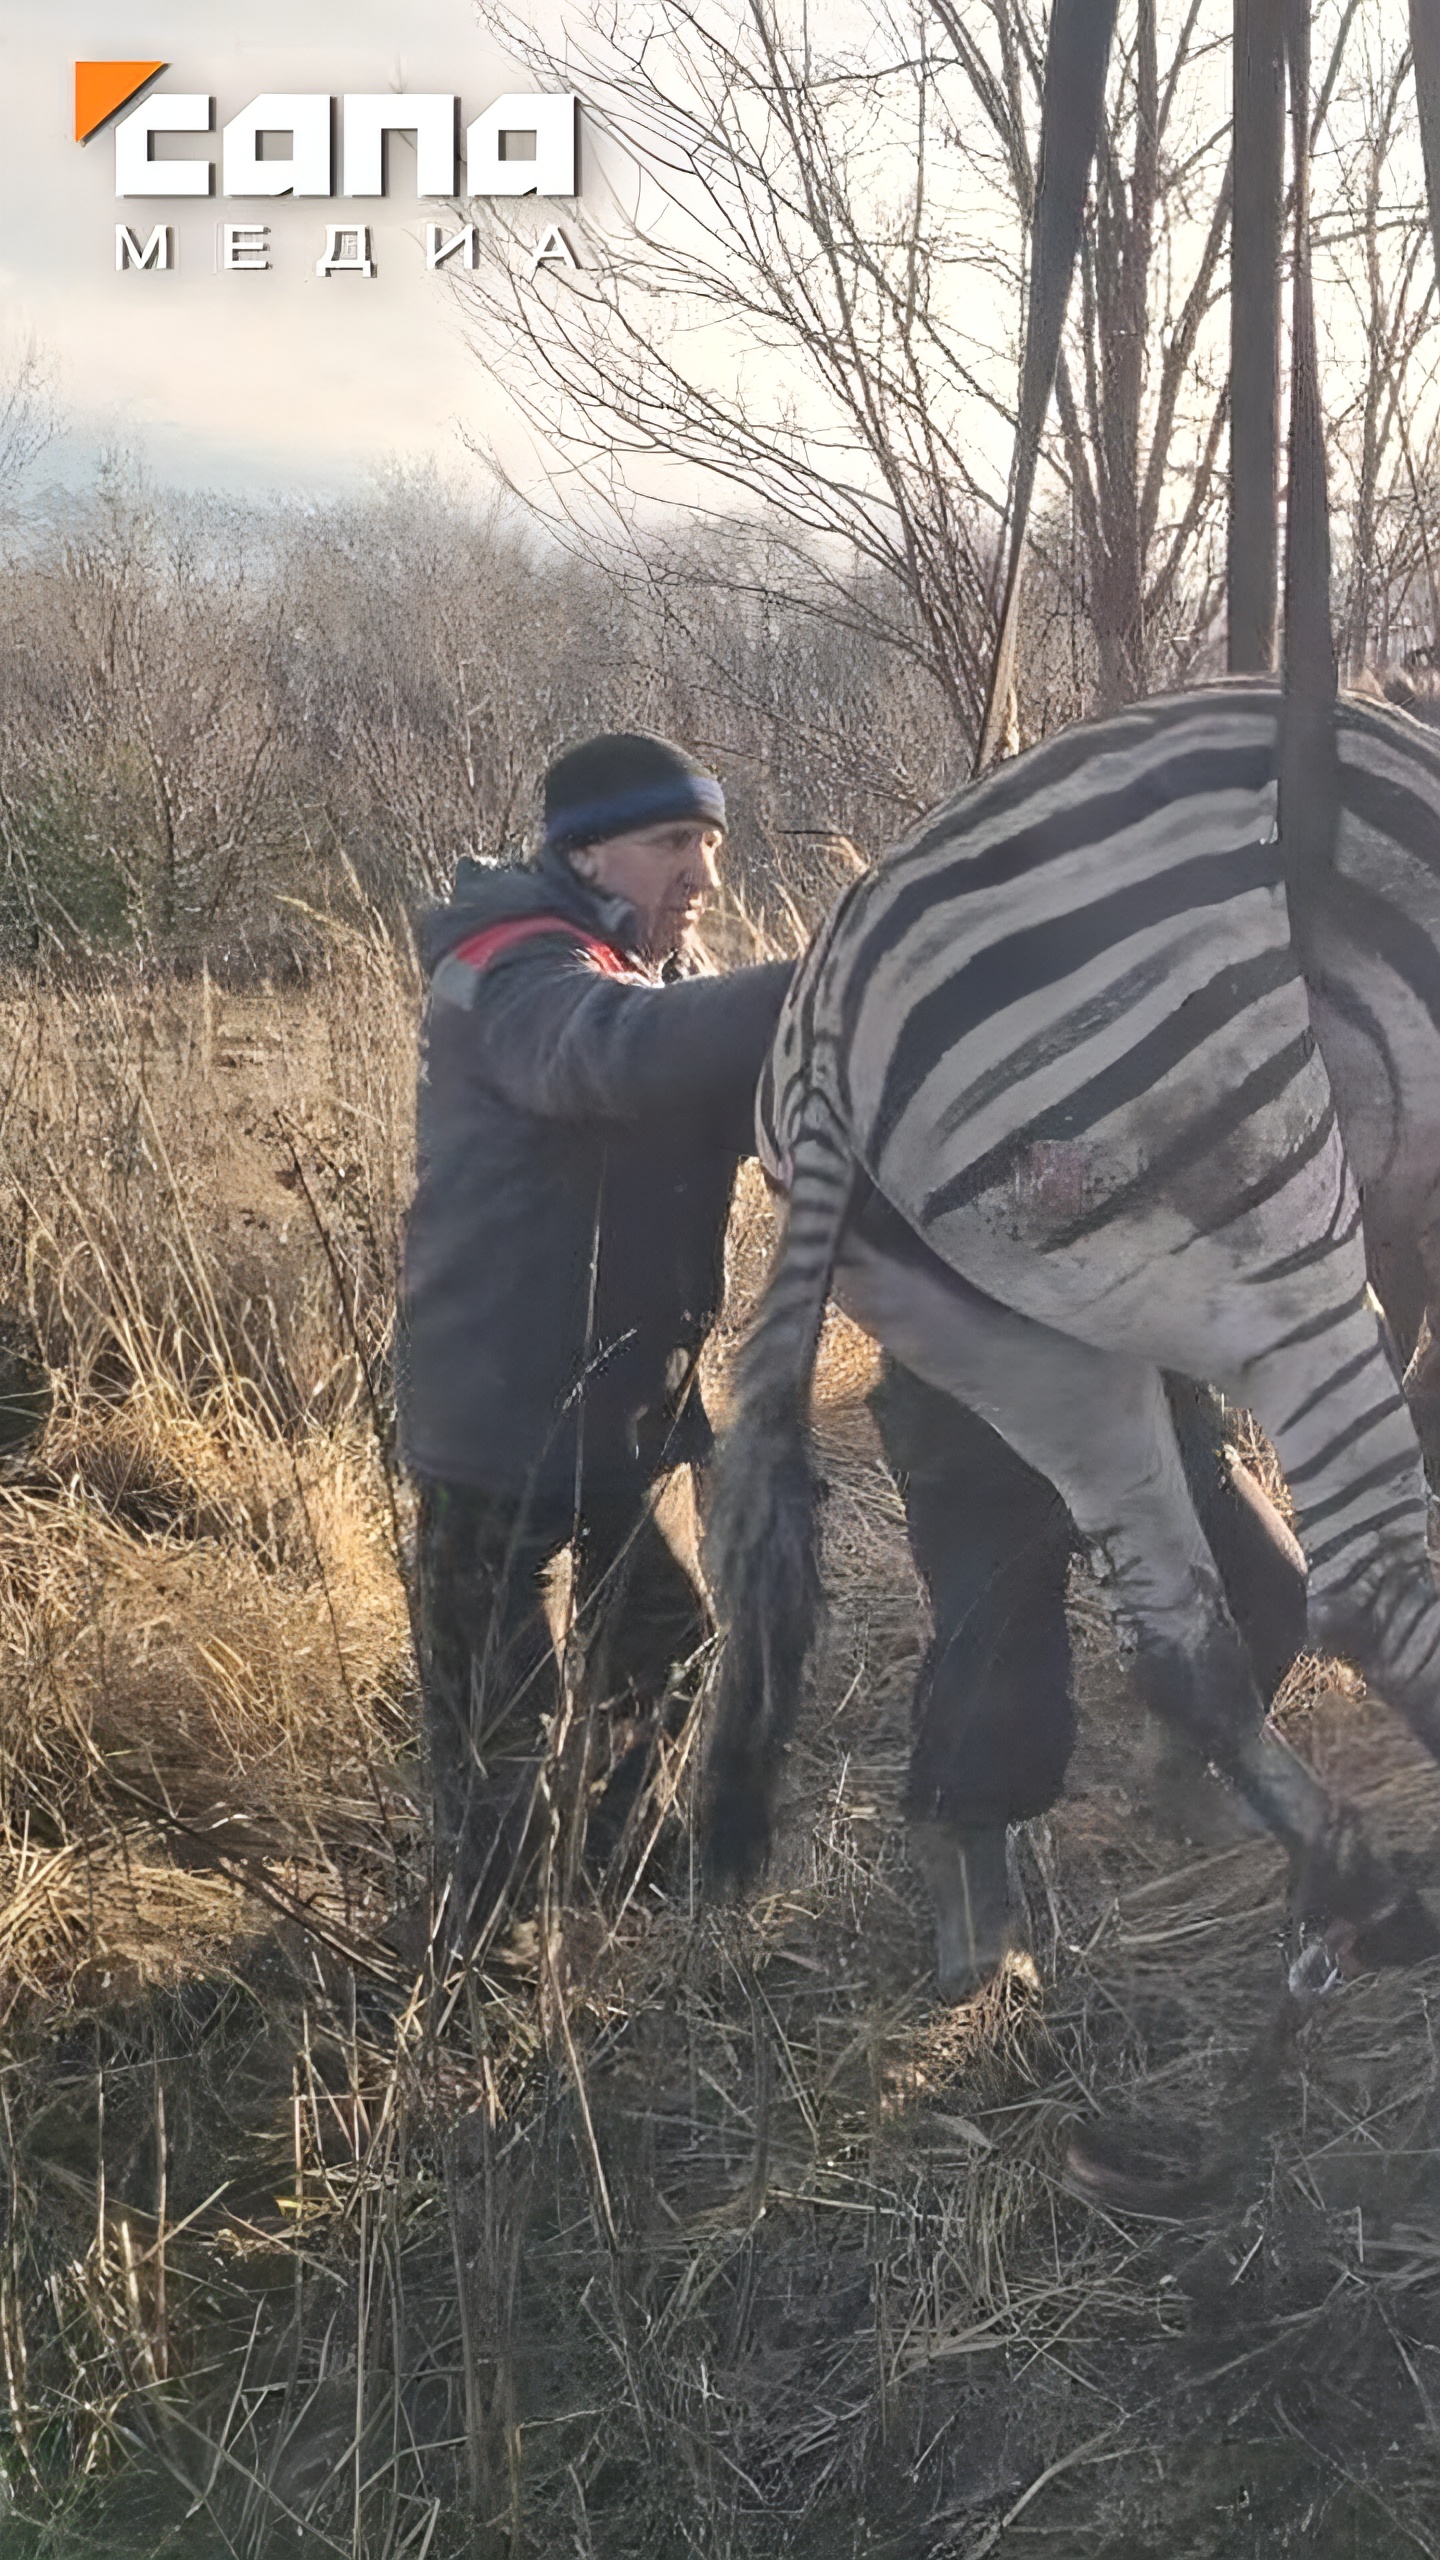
(969, 1887)
(1371, 1917)
(1404, 1932)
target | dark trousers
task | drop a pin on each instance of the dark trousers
(490, 1675)
(994, 1717)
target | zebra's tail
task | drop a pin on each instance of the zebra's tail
(763, 1536)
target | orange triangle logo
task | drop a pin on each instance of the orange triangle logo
(101, 88)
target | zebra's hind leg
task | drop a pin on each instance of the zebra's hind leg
(1097, 1424)
(1347, 1444)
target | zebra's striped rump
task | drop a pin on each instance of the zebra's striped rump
(1064, 1035)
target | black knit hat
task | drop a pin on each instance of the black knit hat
(611, 784)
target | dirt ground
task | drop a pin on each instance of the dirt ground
(669, 2231)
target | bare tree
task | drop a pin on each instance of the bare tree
(1385, 348)
(137, 765)
(773, 314)
(1141, 395)
(28, 417)
(802, 297)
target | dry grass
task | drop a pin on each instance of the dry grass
(203, 1633)
(670, 2231)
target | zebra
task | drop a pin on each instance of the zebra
(1056, 1111)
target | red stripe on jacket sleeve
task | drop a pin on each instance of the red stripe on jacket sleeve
(481, 948)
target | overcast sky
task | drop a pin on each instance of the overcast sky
(240, 381)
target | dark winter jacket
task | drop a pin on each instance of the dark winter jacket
(580, 1123)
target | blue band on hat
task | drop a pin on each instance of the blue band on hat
(680, 795)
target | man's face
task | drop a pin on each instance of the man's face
(664, 872)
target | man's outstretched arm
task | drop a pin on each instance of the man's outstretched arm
(551, 1033)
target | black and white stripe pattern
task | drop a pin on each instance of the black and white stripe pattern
(1118, 895)
(1057, 1056)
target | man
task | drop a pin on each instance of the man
(993, 1715)
(585, 1098)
